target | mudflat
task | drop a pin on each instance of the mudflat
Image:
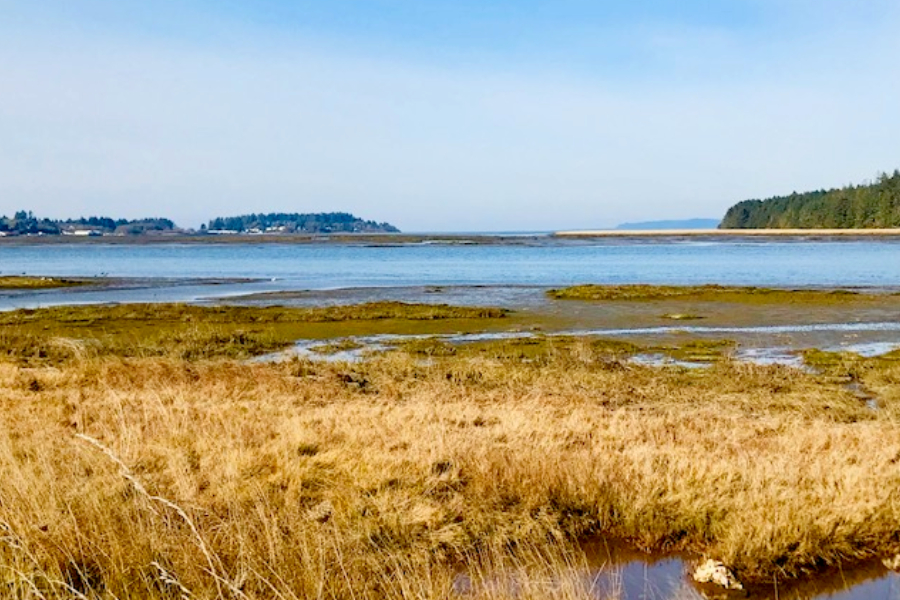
(727, 232)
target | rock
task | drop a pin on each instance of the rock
(892, 563)
(321, 512)
(713, 571)
(682, 317)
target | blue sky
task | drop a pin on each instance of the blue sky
(441, 115)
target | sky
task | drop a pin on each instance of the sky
(441, 115)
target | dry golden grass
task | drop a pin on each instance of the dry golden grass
(163, 478)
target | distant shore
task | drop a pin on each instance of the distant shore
(401, 239)
(374, 239)
(728, 232)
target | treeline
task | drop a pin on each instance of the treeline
(870, 206)
(26, 223)
(337, 222)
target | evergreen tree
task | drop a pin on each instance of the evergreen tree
(876, 205)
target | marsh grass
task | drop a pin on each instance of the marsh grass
(174, 312)
(344, 345)
(53, 335)
(877, 378)
(713, 293)
(213, 478)
(550, 348)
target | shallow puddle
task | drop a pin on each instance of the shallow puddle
(656, 359)
(763, 352)
(613, 572)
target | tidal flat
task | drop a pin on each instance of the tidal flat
(716, 293)
(24, 282)
(148, 453)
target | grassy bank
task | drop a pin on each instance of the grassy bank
(714, 293)
(163, 477)
(22, 282)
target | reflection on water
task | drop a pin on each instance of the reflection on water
(127, 291)
(656, 359)
(612, 571)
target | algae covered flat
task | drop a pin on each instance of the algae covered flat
(190, 331)
(715, 293)
(24, 282)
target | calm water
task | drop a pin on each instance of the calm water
(629, 575)
(333, 266)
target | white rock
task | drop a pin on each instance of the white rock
(321, 512)
(713, 571)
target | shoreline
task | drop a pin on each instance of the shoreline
(361, 239)
(450, 239)
(625, 233)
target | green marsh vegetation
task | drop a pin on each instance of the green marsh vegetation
(337, 346)
(545, 349)
(23, 282)
(713, 293)
(189, 331)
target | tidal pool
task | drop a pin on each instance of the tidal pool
(354, 349)
(613, 571)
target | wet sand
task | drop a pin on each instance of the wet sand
(808, 233)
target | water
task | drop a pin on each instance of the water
(174, 272)
(551, 263)
(614, 571)
(362, 347)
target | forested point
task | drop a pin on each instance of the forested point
(868, 206)
(337, 222)
(27, 223)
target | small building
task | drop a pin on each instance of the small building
(83, 232)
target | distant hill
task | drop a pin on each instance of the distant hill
(870, 206)
(682, 224)
(298, 223)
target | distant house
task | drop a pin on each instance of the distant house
(82, 232)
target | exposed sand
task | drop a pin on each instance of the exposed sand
(726, 232)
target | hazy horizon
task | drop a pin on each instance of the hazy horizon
(442, 116)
